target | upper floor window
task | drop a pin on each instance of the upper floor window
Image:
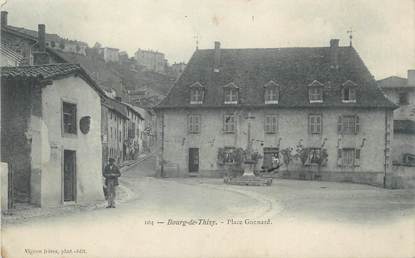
(348, 124)
(69, 118)
(193, 122)
(271, 93)
(315, 92)
(403, 98)
(197, 92)
(270, 123)
(229, 123)
(314, 123)
(231, 93)
(349, 92)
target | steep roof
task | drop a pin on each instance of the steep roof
(48, 72)
(292, 68)
(135, 109)
(115, 106)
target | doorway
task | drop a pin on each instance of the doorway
(69, 176)
(194, 160)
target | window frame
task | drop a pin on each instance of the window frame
(315, 86)
(75, 119)
(312, 151)
(226, 126)
(351, 157)
(313, 125)
(350, 122)
(199, 93)
(271, 128)
(271, 93)
(191, 125)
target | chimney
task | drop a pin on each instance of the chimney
(216, 62)
(40, 56)
(334, 53)
(4, 18)
(41, 37)
(411, 78)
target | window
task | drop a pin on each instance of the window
(231, 95)
(314, 155)
(229, 123)
(270, 123)
(348, 124)
(316, 95)
(348, 95)
(314, 124)
(269, 153)
(194, 123)
(403, 98)
(348, 157)
(349, 92)
(196, 96)
(69, 118)
(271, 93)
(315, 92)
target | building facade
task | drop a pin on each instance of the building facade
(135, 126)
(318, 109)
(151, 60)
(114, 130)
(401, 91)
(110, 54)
(51, 133)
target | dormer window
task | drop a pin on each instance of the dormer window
(197, 92)
(349, 92)
(231, 92)
(271, 93)
(315, 92)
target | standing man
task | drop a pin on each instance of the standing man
(111, 174)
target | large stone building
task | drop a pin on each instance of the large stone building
(401, 91)
(151, 60)
(322, 99)
(51, 133)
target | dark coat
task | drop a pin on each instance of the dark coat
(111, 173)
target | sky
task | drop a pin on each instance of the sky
(383, 30)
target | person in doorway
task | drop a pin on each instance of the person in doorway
(111, 174)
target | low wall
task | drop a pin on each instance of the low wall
(402, 177)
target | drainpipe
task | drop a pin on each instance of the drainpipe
(384, 151)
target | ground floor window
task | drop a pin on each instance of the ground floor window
(314, 155)
(348, 157)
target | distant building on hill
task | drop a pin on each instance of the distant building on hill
(151, 60)
(110, 54)
(178, 68)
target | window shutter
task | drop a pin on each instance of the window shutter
(339, 125)
(339, 157)
(274, 124)
(357, 124)
(309, 124)
(357, 158)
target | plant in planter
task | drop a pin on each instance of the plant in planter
(287, 156)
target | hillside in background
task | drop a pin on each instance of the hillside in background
(124, 78)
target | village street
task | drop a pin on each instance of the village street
(362, 219)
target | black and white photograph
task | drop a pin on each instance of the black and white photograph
(222, 128)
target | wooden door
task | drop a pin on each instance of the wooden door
(69, 176)
(194, 160)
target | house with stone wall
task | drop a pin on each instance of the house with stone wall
(316, 108)
(401, 91)
(51, 134)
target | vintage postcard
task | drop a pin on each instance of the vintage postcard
(179, 128)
